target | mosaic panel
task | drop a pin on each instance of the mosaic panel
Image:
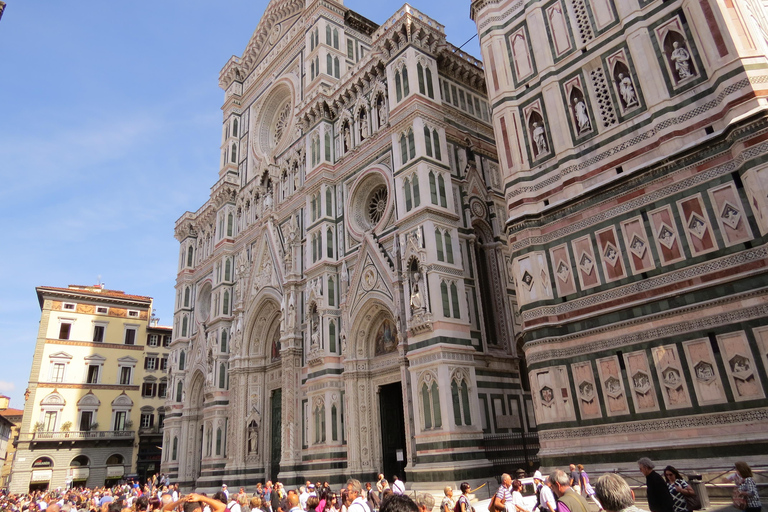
(755, 183)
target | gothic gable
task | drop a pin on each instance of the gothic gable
(373, 275)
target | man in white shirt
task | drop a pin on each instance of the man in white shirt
(398, 487)
(233, 505)
(225, 491)
(355, 491)
(547, 502)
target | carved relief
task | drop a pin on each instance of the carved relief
(624, 83)
(665, 235)
(730, 214)
(674, 390)
(698, 229)
(677, 52)
(640, 380)
(636, 242)
(586, 263)
(704, 372)
(583, 378)
(565, 282)
(551, 394)
(613, 386)
(532, 277)
(740, 367)
(610, 255)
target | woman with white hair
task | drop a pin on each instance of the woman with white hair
(614, 494)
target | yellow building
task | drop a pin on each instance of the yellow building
(13, 416)
(97, 378)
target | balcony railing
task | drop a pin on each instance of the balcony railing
(76, 435)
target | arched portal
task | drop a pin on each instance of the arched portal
(195, 431)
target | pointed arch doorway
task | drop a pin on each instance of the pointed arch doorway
(393, 447)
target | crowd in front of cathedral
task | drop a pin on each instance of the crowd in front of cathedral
(561, 491)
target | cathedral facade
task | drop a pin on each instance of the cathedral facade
(344, 304)
(632, 141)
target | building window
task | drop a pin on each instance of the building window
(184, 323)
(148, 390)
(130, 335)
(132, 313)
(182, 359)
(98, 332)
(86, 420)
(222, 376)
(69, 306)
(223, 342)
(154, 340)
(218, 441)
(166, 342)
(125, 375)
(162, 389)
(430, 399)
(150, 363)
(120, 419)
(334, 425)
(460, 398)
(175, 449)
(101, 310)
(147, 419)
(350, 49)
(163, 363)
(186, 297)
(179, 391)
(93, 374)
(64, 330)
(49, 421)
(58, 372)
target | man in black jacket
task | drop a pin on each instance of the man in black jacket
(659, 499)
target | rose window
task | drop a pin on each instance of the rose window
(282, 121)
(377, 204)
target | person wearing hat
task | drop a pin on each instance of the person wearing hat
(225, 491)
(546, 500)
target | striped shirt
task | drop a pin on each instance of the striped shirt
(504, 493)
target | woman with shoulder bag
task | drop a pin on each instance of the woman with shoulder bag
(678, 489)
(747, 490)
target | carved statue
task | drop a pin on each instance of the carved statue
(347, 138)
(682, 60)
(344, 272)
(364, 131)
(382, 113)
(540, 138)
(417, 303)
(627, 90)
(582, 117)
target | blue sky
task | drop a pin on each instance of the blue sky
(110, 125)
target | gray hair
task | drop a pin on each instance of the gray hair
(558, 476)
(505, 477)
(425, 500)
(356, 486)
(645, 461)
(613, 492)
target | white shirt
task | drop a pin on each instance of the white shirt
(398, 487)
(234, 506)
(359, 502)
(303, 500)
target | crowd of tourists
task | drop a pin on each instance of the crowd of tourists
(561, 491)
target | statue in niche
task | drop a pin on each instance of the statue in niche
(276, 347)
(315, 335)
(583, 123)
(382, 112)
(344, 272)
(347, 138)
(291, 318)
(253, 438)
(417, 302)
(540, 138)
(364, 131)
(682, 60)
(627, 90)
(385, 338)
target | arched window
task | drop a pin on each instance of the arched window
(448, 247)
(432, 188)
(411, 144)
(430, 399)
(428, 141)
(328, 35)
(312, 70)
(218, 441)
(408, 200)
(224, 341)
(230, 224)
(329, 64)
(312, 205)
(336, 39)
(436, 142)
(441, 186)
(228, 270)
(416, 196)
(446, 299)
(234, 128)
(398, 86)
(331, 292)
(184, 322)
(430, 90)
(439, 244)
(175, 450)
(406, 87)
(328, 202)
(334, 423)
(329, 243)
(420, 76)
(455, 301)
(115, 460)
(182, 360)
(178, 391)
(222, 376)
(336, 67)
(233, 157)
(225, 303)
(332, 339)
(403, 149)
(460, 398)
(80, 461)
(186, 297)
(190, 252)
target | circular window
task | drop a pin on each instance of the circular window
(370, 202)
(273, 120)
(377, 204)
(203, 306)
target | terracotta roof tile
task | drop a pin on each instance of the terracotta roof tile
(92, 291)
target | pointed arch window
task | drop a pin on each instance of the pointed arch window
(441, 187)
(224, 341)
(436, 142)
(420, 76)
(432, 188)
(446, 299)
(329, 64)
(411, 144)
(336, 39)
(233, 157)
(230, 224)
(448, 246)
(455, 301)
(182, 360)
(225, 303)
(415, 185)
(332, 339)
(398, 86)
(184, 323)
(190, 252)
(312, 70)
(218, 441)
(430, 90)
(329, 243)
(408, 200)
(428, 141)
(222, 376)
(234, 128)
(460, 399)
(327, 157)
(403, 150)
(331, 291)
(336, 68)
(329, 202)
(228, 270)
(439, 244)
(406, 87)
(179, 393)
(175, 449)
(328, 35)
(430, 400)
(334, 423)
(312, 205)
(186, 297)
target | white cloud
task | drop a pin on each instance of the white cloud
(6, 387)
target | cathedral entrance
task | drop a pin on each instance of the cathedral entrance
(276, 433)
(393, 447)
